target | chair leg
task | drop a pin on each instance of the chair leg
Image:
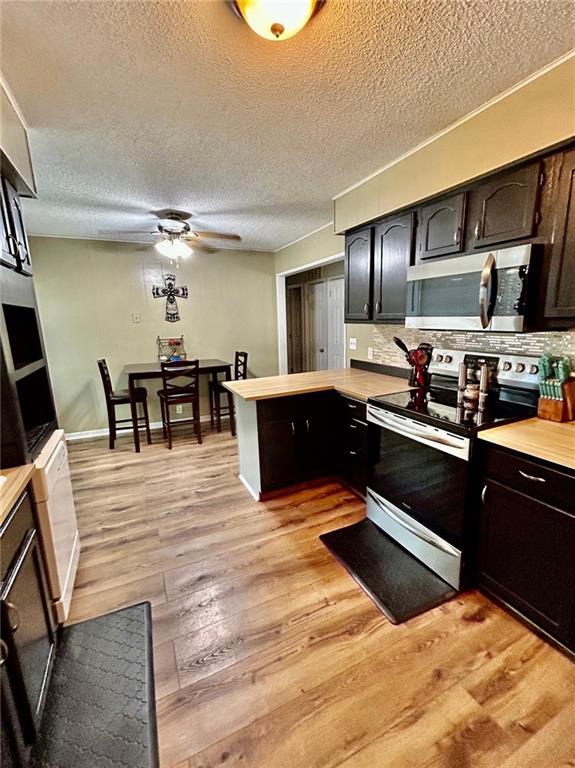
(135, 425)
(163, 417)
(197, 422)
(111, 426)
(168, 424)
(211, 396)
(147, 421)
(218, 410)
(232, 414)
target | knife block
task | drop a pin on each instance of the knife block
(559, 410)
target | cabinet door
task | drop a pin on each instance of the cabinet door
(504, 208)
(440, 227)
(526, 558)
(560, 300)
(278, 439)
(318, 443)
(392, 256)
(8, 243)
(358, 275)
(27, 627)
(16, 224)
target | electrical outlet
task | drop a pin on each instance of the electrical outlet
(370, 353)
(136, 317)
(179, 409)
(353, 343)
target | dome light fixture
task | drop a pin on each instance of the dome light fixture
(174, 248)
(276, 19)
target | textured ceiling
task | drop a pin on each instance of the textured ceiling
(137, 106)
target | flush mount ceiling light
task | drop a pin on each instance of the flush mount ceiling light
(174, 248)
(276, 19)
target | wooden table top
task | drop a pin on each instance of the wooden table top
(352, 382)
(535, 437)
(17, 478)
(151, 369)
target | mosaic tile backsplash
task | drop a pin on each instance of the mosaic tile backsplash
(532, 344)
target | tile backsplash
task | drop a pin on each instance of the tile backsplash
(532, 344)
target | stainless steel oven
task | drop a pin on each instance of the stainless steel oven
(417, 489)
(481, 292)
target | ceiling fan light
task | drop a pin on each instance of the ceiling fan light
(277, 19)
(173, 248)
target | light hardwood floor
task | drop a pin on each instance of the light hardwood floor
(268, 655)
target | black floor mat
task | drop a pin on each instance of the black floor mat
(100, 709)
(399, 584)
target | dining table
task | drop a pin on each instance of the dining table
(136, 372)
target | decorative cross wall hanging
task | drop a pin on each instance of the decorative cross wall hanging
(170, 292)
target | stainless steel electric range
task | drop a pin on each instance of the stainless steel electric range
(422, 443)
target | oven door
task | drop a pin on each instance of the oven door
(481, 292)
(421, 470)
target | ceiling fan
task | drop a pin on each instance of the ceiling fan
(177, 239)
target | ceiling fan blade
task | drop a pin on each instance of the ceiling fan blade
(197, 245)
(216, 235)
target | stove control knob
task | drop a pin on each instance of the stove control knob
(448, 359)
(519, 367)
(533, 369)
(507, 366)
(438, 358)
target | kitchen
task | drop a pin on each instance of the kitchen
(378, 569)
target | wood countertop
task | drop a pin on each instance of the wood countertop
(539, 438)
(352, 382)
(17, 478)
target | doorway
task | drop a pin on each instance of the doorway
(314, 302)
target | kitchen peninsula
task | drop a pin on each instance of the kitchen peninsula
(289, 426)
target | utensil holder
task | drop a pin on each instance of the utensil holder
(559, 410)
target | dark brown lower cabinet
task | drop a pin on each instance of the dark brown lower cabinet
(526, 558)
(296, 439)
(353, 458)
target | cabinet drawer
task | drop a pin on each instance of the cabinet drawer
(353, 409)
(353, 470)
(14, 529)
(531, 478)
(355, 436)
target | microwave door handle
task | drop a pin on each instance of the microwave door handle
(442, 545)
(484, 288)
(422, 435)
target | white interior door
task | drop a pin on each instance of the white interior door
(335, 324)
(317, 325)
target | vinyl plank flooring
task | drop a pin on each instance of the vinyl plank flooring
(266, 652)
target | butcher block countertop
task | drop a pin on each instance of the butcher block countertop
(539, 438)
(352, 382)
(16, 479)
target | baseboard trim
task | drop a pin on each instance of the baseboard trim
(154, 426)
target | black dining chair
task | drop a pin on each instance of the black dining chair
(216, 390)
(181, 384)
(122, 397)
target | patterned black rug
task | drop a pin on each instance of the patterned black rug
(100, 709)
(399, 584)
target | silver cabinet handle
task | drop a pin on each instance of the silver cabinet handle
(483, 492)
(13, 609)
(307, 425)
(534, 478)
(378, 307)
(457, 235)
(366, 308)
(483, 288)
(477, 229)
(3, 653)
(293, 428)
(352, 453)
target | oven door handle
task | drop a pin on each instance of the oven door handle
(437, 543)
(422, 435)
(483, 289)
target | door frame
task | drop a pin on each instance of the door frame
(329, 280)
(282, 305)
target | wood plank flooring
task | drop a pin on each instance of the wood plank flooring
(267, 654)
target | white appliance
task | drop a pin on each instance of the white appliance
(57, 524)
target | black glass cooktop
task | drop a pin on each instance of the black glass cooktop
(438, 406)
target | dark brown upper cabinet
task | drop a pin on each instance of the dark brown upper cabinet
(9, 249)
(393, 251)
(358, 275)
(560, 299)
(17, 232)
(504, 207)
(440, 230)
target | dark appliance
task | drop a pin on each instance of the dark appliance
(486, 291)
(422, 442)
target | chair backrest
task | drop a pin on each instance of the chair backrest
(106, 379)
(241, 365)
(189, 370)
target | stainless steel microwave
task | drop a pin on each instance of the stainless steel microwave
(482, 292)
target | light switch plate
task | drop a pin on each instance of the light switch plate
(353, 343)
(136, 317)
(370, 353)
